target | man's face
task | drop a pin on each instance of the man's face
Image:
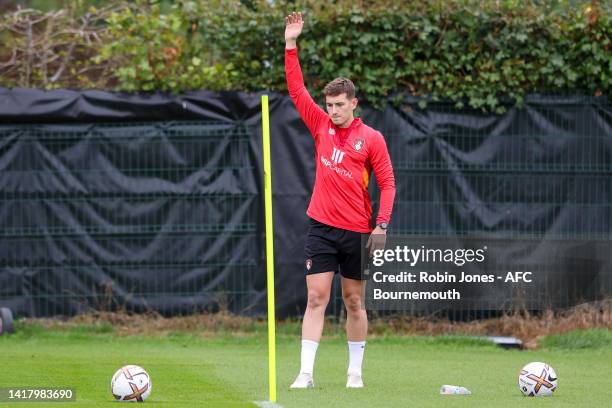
(340, 109)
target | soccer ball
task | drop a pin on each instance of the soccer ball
(131, 383)
(537, 380)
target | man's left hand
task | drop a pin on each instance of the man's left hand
(377, 240)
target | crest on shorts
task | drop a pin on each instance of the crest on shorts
(358, 144)
(308, 264)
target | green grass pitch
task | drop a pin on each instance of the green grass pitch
(226, 371)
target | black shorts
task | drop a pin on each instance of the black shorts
(331, 249)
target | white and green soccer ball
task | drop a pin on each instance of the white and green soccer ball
(537, 380)
(131, 383)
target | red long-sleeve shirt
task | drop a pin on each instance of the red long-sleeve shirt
(345, 159)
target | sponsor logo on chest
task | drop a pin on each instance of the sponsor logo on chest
(336, 160)
(337, 156)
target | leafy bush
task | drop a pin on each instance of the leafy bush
(481, 54)
(151, 50)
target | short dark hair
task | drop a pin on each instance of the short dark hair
(339, 86)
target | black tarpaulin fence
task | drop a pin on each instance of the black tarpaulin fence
(155, 202)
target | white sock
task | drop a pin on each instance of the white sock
(309, 351)
(356, 349)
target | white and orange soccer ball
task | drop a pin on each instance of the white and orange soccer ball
(537, 380)
(131, 383)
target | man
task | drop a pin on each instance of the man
(340, 210)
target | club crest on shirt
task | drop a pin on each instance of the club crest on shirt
(332, 131)
(358, 144)
(308, 264)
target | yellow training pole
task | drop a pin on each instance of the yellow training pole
(265, 127)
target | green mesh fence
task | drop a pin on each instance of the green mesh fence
(561, 168)
(128, 215)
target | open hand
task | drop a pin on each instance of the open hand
(293, 29)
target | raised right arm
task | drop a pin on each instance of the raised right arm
(311, 113)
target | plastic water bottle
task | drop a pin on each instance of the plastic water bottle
(454, 390)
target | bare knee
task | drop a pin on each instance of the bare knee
(317, 299)
(353, 305)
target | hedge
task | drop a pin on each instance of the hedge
(481, 54)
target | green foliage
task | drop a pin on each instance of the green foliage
(579, 339)
(478, 54)
(156, 51)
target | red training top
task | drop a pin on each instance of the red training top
(345, 159)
